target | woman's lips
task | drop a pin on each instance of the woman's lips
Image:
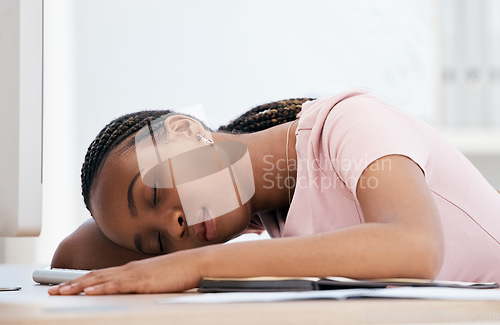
(205, 231)
(199, 231)
(210, 231)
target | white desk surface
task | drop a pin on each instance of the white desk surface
(32, 305)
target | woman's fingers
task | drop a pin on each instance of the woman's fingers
(106, 288)
(145, 276)
(81, 284)
(65, 289)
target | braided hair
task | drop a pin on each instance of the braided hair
(265, 116)
(108, 139)
(120, 129)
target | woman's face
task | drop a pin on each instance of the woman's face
(150, 220)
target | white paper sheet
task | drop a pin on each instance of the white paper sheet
(403, 293)
(437, 293)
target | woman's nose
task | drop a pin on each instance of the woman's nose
(177, 225)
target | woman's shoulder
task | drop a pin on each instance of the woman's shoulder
(357, 115)
(318, 109)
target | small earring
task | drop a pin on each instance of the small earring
(201, 138)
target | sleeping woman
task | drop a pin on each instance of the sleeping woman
(350, 186)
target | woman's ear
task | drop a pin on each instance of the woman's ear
(184, 125)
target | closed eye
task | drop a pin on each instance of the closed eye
(155, 196)
(160, 244)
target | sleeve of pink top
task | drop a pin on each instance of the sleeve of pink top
(362, 129)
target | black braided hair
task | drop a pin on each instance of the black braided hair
(108, 139)
(118, 130)
(265, 116)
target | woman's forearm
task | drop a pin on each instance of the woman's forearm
(364, 251)
(401, 237)
(373, 250)
(88, 249)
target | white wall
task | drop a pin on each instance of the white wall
(231, 55)
(105, 58)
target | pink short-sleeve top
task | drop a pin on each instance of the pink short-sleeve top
(338, 137)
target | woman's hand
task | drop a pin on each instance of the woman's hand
(175, 272)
